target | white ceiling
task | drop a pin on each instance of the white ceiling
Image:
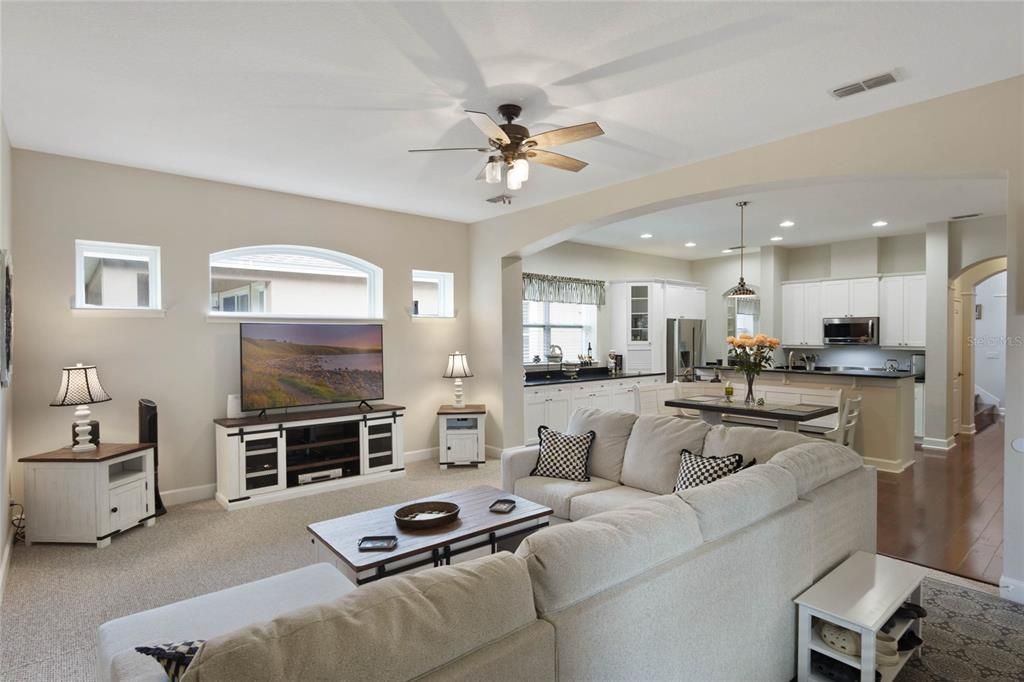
(822, 214)
(323, 99)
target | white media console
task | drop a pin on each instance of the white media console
(279, 456)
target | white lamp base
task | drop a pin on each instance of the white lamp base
(458, 394)
(83, 430)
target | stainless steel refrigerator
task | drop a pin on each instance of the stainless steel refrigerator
(684, 346)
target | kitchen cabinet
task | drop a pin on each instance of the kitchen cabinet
(638, 314)
(801, 314)
(592, 394)
(919, 410)
(902, 311)
(553, 405)
(849, 297)
(548, 406)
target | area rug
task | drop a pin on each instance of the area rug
(968, 635)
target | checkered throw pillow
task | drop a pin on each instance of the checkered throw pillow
(173, 656)
(563, 455)
(695, 470)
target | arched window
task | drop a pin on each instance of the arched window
(283, 280)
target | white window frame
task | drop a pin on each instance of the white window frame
(137, 252)
(547, 327)
(374, 278)
(445, 282)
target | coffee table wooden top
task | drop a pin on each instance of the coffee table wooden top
(341, 535)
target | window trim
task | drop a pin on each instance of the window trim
(445, 282)
(374, 280)
(121, 251)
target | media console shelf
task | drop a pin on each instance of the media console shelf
(279, 456)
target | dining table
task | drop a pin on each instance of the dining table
(788, 416)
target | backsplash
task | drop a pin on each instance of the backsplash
(860, 356)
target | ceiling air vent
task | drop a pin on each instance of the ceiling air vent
(965, 216)
(504, 199)
(864, 85)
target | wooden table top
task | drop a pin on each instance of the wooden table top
(341, 535)
(799, 413)
(103, 451)
(465, 409)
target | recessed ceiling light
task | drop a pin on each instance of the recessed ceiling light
(879, 223)
(726, 250)
(690, 245)
(646, 235)
(787, 223)
(776, 239)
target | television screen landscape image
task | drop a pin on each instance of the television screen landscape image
(292, 365)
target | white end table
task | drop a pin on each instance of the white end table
(462, 435)
(861, 594)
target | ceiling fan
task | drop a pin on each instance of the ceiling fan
(511, 147)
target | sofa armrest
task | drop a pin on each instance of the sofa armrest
(517, 463)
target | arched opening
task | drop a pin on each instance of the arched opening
(286, 280)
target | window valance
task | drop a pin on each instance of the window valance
(551, 289)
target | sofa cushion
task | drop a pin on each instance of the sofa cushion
(612, 431)
(816, 463)
(393, 629)
(652, 455)
(556, 492)
(750, 441)
(563, 455)
(605, 500)
(573, 561)
(740, 500)
(209, 615)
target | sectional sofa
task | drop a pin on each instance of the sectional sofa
(643, 583)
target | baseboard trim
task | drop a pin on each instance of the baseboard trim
(492, 452)
(184, 495)
(938, 443)
(1011, 589)
(421, 455)
(5, 563)
(1002, 411)
(968, 429)
(888, 465)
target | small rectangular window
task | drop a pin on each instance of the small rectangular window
(433, 294)
(121, 276)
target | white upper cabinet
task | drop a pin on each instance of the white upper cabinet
(801, 314)
(850, 297)
(638, 314)
(684, 301)
(902, 311)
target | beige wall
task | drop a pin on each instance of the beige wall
(572, 259)
(185, 363)
(972, 241)
(903, 253)
(6, 451)
(854, 258)
(719, 275)
(974, 132)
(809, 262)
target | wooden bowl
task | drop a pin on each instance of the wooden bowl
(421, 515)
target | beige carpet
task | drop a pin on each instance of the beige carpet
(57, 595)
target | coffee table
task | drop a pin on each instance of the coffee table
(336, 540)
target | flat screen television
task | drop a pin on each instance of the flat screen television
(296, 365)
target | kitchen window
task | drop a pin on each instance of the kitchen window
(569, 325)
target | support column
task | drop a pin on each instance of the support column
(937, 432)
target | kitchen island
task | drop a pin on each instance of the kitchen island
(885, 431)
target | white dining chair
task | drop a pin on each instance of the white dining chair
(845, 432)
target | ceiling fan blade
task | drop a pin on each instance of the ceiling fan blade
(566, 135)
(486, 124)
(483, 172)
(554, 160)
(453, 149)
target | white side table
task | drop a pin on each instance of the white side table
(461, 431)
(861, 594)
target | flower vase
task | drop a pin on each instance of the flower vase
(749, 400)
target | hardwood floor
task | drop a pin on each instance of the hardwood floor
(946, 511)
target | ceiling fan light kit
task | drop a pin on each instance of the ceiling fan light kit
(512, 146)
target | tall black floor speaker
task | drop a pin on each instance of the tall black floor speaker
(148, 434)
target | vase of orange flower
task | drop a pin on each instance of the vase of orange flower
(751, 354)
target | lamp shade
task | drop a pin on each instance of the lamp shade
(79, 385)
(458, 368)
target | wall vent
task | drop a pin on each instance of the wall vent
(965, 216)
(865, 85)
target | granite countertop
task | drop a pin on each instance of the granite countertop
(556, 377)
(846, 372)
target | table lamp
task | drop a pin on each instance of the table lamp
(80, 387)
(458, 369)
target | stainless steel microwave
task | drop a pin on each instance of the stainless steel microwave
(850, 331)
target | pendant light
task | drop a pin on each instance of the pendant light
(741, 290)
